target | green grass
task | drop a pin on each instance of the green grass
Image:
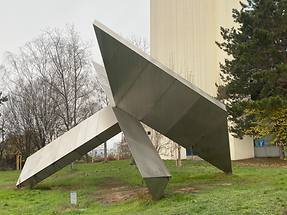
(195, 188)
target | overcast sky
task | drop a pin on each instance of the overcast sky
(21, 21)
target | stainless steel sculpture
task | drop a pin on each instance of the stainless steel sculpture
(140, 89)
(163, 100)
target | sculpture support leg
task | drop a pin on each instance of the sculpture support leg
(70, 146)
(150, 165)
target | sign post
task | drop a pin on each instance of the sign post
(73, 197)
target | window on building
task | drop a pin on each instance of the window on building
(259, 142)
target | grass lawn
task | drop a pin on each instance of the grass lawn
(116, 187)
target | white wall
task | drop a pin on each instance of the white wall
(241, 149)
(183, 35)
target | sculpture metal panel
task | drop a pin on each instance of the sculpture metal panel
(140, 88)
(70, 146)
(150, 165)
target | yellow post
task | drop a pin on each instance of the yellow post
(20, 158)
(17, 162)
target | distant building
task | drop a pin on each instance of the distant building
(99, 151)
(264, 148)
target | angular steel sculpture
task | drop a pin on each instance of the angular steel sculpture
(163, 100)
(140, 89)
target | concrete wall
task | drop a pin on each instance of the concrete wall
(183, 35)
(267, 151)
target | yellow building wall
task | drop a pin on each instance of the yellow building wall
(183, 35)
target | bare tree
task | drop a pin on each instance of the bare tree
(69, 74)
(29, 94)
(139, 42)
(3, 143)
(123, 149)
(52, 85)
(164, 146)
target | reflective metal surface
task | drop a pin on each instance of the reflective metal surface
(150, 165)
(166, 102)
(70, 146)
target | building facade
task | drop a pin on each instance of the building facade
(183, 35)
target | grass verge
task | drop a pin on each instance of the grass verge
(116, 187)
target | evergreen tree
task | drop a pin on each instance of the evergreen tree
(255, 76)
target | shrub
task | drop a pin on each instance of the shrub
(111, 158)
(99, 159)
(102, 159)
(123, 158)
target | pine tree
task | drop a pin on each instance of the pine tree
(255, 76)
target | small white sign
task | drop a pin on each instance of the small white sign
(73, 197)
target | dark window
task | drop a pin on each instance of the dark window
(259, 142)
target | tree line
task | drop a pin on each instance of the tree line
(50, 88)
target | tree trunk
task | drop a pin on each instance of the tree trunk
(105, 151)
(191, 153)
(179, 156)
(87, 158)
(281, 152)
(93, 155)
(72, 165)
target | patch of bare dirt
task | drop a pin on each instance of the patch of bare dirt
(116, 193)
(187, 190)
(4, 187)
(225, 184)
(196, 189)
(117, 196)
(114, 186)
(262, 162)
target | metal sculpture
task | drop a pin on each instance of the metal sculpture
(163, 100)
(140, 89)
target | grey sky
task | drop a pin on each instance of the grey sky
(21, 21)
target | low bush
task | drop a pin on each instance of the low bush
(103, 159)
(124, 158)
